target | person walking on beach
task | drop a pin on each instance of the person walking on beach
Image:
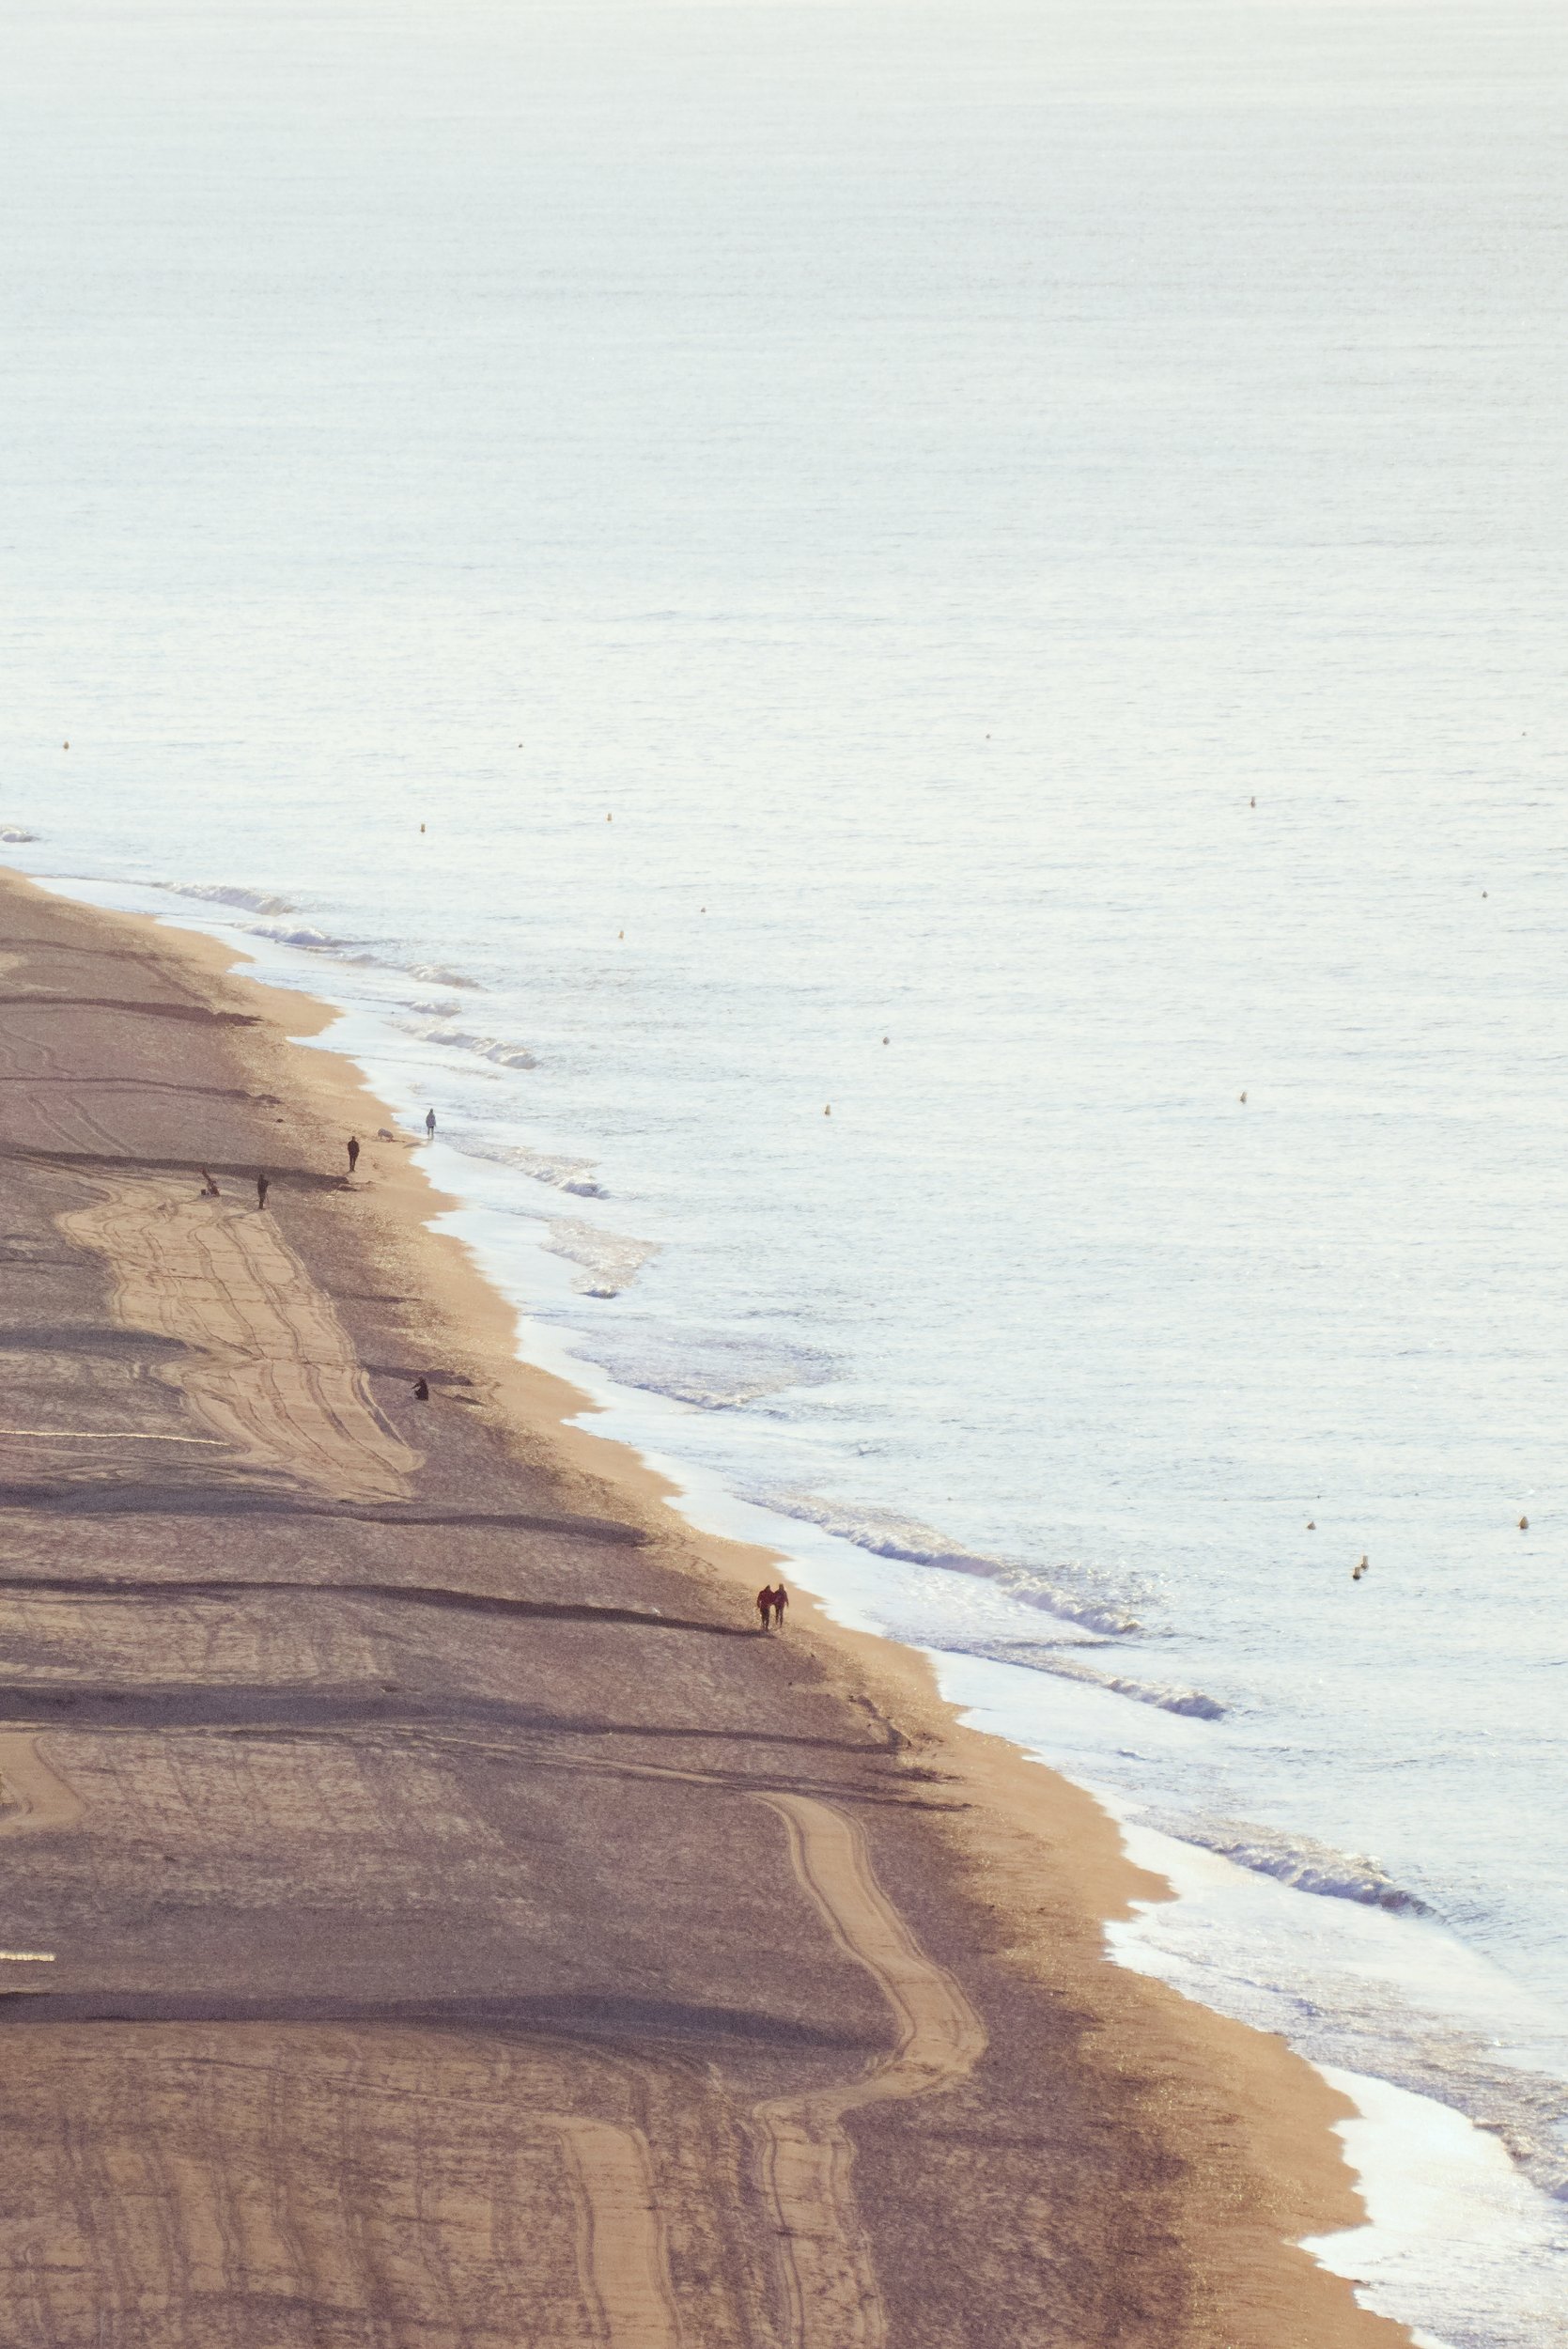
(430, 1124)
(208, 1188)
(354, 1151)
(781, 1600)
(262, 1188)
(765, 1607)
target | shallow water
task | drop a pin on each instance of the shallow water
(831, 518)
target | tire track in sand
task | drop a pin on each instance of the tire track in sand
(31, 1796)
(621, 2255)
(828, 2283)
(272, 1369)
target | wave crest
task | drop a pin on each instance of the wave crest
(225, 893)
(887, 1534)
(712, 1370)
(1191, 1702)
(610, 1261)
(1298, 1860)
(497, 1048)
(555, 1168)
(317, 941)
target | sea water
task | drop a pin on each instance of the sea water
(908, 658)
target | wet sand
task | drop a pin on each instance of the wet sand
(463, 1927)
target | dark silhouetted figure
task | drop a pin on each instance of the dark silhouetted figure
(208, 1188)
(1358, 1572)
(422, 1391)
(262, 1187)
(431, 1124)
(354, 1151)
(781, 1600)
(765, 1605)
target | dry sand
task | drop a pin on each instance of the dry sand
(452, 1922)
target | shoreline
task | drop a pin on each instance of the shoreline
(1038, 1855)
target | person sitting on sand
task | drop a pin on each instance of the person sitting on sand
(781, 1600)
(208, 1188)
(262, 1186)
(354, 1151)
(422, 1391)
(765, 1605)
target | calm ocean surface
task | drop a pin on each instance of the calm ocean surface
(999, 570)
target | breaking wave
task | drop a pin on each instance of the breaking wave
(886, 1535)
(1036, 1657)
(315, 942)
(610, 1263)
(715, 1371)
(554, 1168)
(498, 1049)
(1298, 1860)
(437, 975)
(432, 974)
(224, 893)
(15, 835)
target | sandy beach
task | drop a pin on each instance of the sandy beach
(435, 1914)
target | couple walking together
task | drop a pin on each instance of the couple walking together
(772, 1605)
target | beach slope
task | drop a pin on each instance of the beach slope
(434, 1913)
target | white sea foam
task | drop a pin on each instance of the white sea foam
(1296, 1860)
(432, 974)
(439, 975)
(1035, 1657)
(610, 1261)
(302, 935)
(14, 833)
(228, 894)
(886, 1533)
(502, 1051)
(559, 1170)
(712, 1370)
